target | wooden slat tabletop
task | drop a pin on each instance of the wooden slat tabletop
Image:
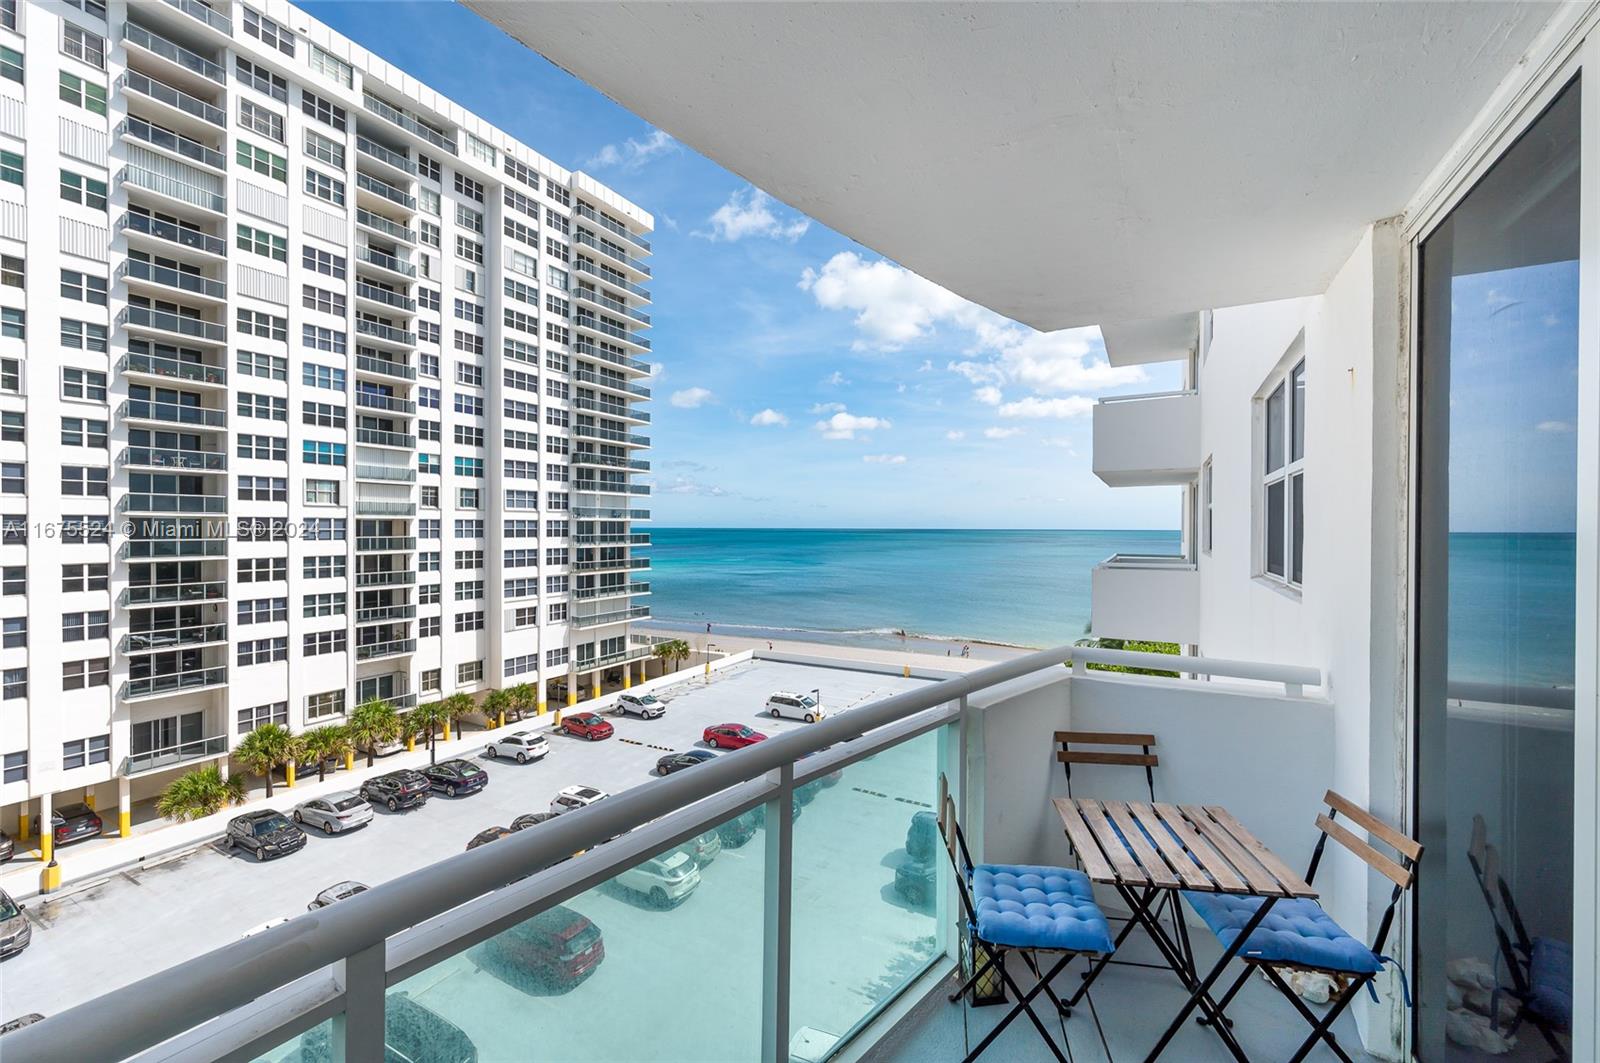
(1203, 848)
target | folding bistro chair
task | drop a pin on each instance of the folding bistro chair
(1146, 758)
(1296, 933)
(1540, 968)
(1025, 909)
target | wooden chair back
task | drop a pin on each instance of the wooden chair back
(1402, 871)
(1099, 753)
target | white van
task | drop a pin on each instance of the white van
(787, 704)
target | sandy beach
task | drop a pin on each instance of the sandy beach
(920, 652)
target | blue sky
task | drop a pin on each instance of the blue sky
(803, 381)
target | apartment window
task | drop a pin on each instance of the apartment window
(84, 751)
(519, 202)
(324, 529)
(322, 376)
(83, 45)
(470, 250)
(469, 590)
(482, 150)
(10, 161)
(261, 79)
(263, 651)
(262, 161)
(555, 305)
(324, 149)
(321, 186)
(557, 389)
(14, 632)
(555, 249)
(516, 319)
(13, 578)
(84, 480)
(469, 672)
(469, 219)
(263, 569)
(332, 67)
(323, 339)
(276, 712)
(266, 366)
(264, 407)
(466, 310)
(428, 200)
(522, 500)
(81, 93)
(263, 610)
(315, 298)
(82, 432)
(557, 222)
(555, 585)
(80, 675)
(261, 324)
(318, 643)
(428, 561)
(518, 231)
(469, 498)
(263, 489)
(320, 706)
(325, 262)
(522, 558)
(468, 436)
(322, 492)
(526, 616)
(428, 332)
(261, 242)
(428, 594)
(428, 298)
(15, 764)
(324, 605)
(555, 658)
(87, 385)
(80, 627)
(268, 32)
(521, 292)
(325, 566)
(322, 110)
(82, 288)
(83, 335)
(259, 119)
(12, 272)
(428, 233)
(1283, 476)
(315, 453)
(88, 7)
(264, 448)
(428, 464)
(466, 186)
(76, 188)
(557, 419)
(556, 472)
(13, 426)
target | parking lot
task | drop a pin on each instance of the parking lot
(141, 922)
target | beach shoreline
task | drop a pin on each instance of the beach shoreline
(915, 650)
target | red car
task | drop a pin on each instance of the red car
(587, 725)
(558, 947)
(732, 736)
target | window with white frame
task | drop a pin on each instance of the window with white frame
(1282, 503)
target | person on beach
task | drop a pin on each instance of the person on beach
(708, 627)
(966, 650)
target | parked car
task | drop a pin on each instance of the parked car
(576, 797)
(484, 837)
(922, 837)
(456, 777)
(644, 706)
(588, 725)
(521, 746)
(339, 811)
(732, 736)
(915, 881)
(15, 930)
(787, 704)
(265, 833)
(703, 849)
(735, 832)
(8, 847)
(666, 880)
(398, 789)
(72, 823)
(19, 1022)
(339, 891)
(411, 1034)
(678, 761)
(559, 947)
(532, 819)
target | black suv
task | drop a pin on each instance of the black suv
(456, 777)
(72, 823)
(265, 833)
(398, 789)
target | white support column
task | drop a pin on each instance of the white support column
(778, 888)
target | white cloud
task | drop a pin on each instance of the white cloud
(1060, 441)
(769, 417)
(835, 379)
(926, 366)
(1558, 427)
(748, 212)
(632, 154)
(955, 435)
(1001, 433)
(1033, 407)
(682, 485)
(884, 459)
(989, 395)
(691, 398)
(827, 407)
(844, 425)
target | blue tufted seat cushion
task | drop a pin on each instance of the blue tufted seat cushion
(1550, 981)
(1038, 908)
(1295, 931)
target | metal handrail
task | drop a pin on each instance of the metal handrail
(610, 487)
(379, 438)
(172, 188)
(637, 612)
(374, 400)
(210, 16)
(166, 321)
(613, 278)
(619, 591)
(585, 457)
(157, 685)
(388, 262)
(595, 295)
(590, 350)
(610, 250)
(177, 368)
(166, 756)
(398, 159)
(176, 53)
(384, 225)
(366, 363)
(165, 230)
(410, 124)
(385, 296)
(614, 383)
(370, 650)
(379, 330)
(583, 210)
(177, 98)
(175, 412)
(589, 321)
(188, 147)
(173, 278)
(386, 190)
(386, 472)
(1106, 400)
(172, 593)
(610, 409)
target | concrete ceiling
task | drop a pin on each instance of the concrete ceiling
(1062, 164)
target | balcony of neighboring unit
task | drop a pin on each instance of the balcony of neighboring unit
(172, 191)
(137, 363)
(615, 228)
(159, 640)
(384, 298)
(387, 473)
(163, 235)
(163, 549)
(385, 544)
(383, 614)
(377, 437)
(611, 660)
(386, 578)
(610, 435)
(175, 62)
(176, 108)
(610, 487)
(173, 413)
(399, 164)
(612, 539)
(379, 332)
(606, 302)
(612, 564)
(373, 400)
(588, 349)
(377, 223)
(616, 333)
(1173, 338)
(382, 507)
(161, 686)
(624, 590)
(376, 192)
(617, 616)
(204, 13)
(172, 756)
(1147, 597)
(1145, 440)
(620, 411)
(164, 281)
(173, 593)
(165, 503)
(410, 123)
(374, 651)
(386, 263)
(611, 252)
(375, 366)
(584, 457)
(169, 142)
(172, 459)
(168, 325)
(615, 279)
(611, 383)
(609, 513)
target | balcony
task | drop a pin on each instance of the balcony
(610, 409)
(390, 113)
(140, 364)
(613, 539)
(618, 616)
(600, 380)
(616, 306)
(172, 593)
(161, 686)
(175, 192)
(159, 504)
(384, 227)
(373, 400)
(182, 104)
(396, 160)
(1146, 440)
(606, 328)
(371, 507)
(366, 363)
(625, 590)
(168, 324)
(385, 544)
(610, 487)
(385, 579)
(611, 660)
(586, 457)
(164, 278)
(613, 278)
(373, 651)
(206, 14)
(583, 210)
(383, 190)
(172, 413)
(164, 549)
(387, 263)
(1146, 597)
(607, 249)
(170, 143)
(610, 435)
(609, 513)
(172, 638)
(382, 614)
(587, 349)
(377, 330)
(373, 437)
(390, 473)
(175, 54)
(173, 459)
(614, 564)
(374, 294)
(172, 756)
(143, 225)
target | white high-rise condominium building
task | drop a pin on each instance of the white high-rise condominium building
(315, 387)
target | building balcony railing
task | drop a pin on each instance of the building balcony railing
(616, 306)
(177, 144)
(373, 651)
(147, 549)
(383, 544)
(177, 99)
(612, 564)
(373, 400)
(610, 487)
(379, 614)
(172, 593)
(209, 15)
(388, 333)
(1147, 440)
(611, 660)
(410, 124)
(1151, 598)
(610, 409)
(173, 458)
(385, 579)
(613, 278)
(600, 380)
(583, 210)
(393, 473)
(374, 437)
(589, 321)
(379, 224)
(609, 250)
(172, 503)
(609, 513)
(171, 638)
(618, 616)
(587, 349)
(385, 190)
(372, 507)
(613, 539)
(610, 435)
(176, 279)
(386, 297)
(156, 44)
(398, 159)
(623, 590)
(383, 261)
(164, 230)
(172, 756)
(160, 686)
(366, 363)
(174, 324)
(585, 457)
(172, 413)
(172, 188)
(172, 368)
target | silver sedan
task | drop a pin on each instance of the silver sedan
(339, 811)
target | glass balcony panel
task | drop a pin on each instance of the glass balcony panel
(315, 1044)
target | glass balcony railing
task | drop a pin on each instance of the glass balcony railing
(378, 330)
(143, 502)
(379, 614)
(372, 651)
(589, 321)
(172, 593)
(377, 438)
(610, 487)
(386, 190)
(618, 616)
(178, 279)
(615, 383)
(156, 44)
(587, 349)
(583, 210)
(385, 579)
(170, 756)
(385, 296)
(172, 188)
(174, 458)
(613, 538)
(139, 129)
(398, 159)
(374, 401)
(165, 321)
(175, 368)
(383, 225)
(610, 435)
(205, 13)
(385, 544)
(618, 563)
(610, 250)
(383, 261)
(145, 85)
(366, 363)
(624, 590)
(397, 473)
(612, 277)
(172, 413)
(177, 234)
(584, 457)
(409, 123)
(609, 513)
(143, 549)
(616, 306)
(171, 638)
(174, 683)
(610, 409)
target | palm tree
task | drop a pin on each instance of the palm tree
(425, 720)
(495, 705)
(199, 793)
(457, 706)
(672, 650)
(373, 722)
(323, 744)
(524, 699)
(263, 749)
